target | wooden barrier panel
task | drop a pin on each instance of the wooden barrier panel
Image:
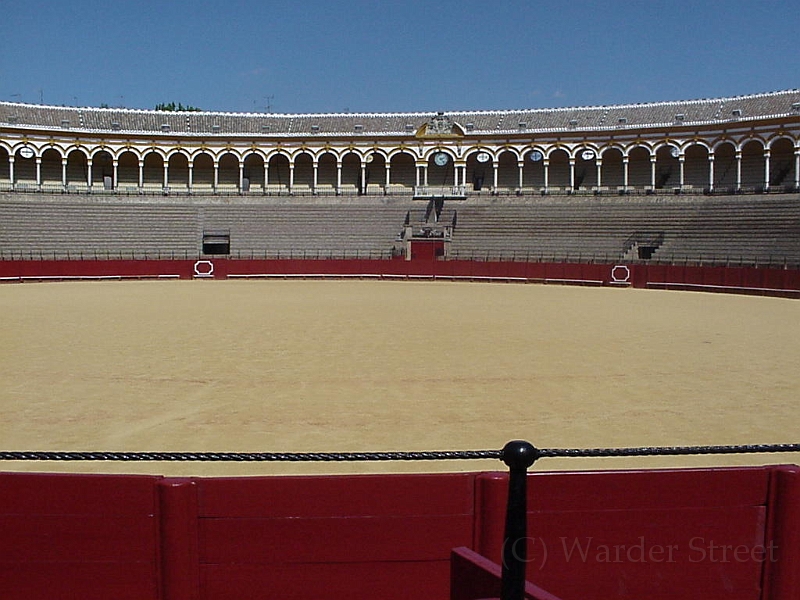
(92, 537)
(333, 537)
(753, 278)
(655, 534)
(179, 539)
(790, 280)
(782, 576)
(95, 269)
(712, 276)
(474, 577)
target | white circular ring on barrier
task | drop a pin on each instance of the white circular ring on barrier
(203, 273)
(620, 274)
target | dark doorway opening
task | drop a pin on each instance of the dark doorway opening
(216, 242)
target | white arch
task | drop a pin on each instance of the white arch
(428, 153)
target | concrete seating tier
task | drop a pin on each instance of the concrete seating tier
(761, 230)
(739, 229)
(37, 226)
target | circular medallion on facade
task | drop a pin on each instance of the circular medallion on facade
(203, 268)
(440, 158)
(483, 157)
(620, 274)
(536, 156)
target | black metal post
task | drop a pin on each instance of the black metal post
(518, 456)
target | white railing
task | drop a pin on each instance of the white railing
(431, 191)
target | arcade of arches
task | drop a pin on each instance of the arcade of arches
(750, 164)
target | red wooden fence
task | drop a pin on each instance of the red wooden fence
(743, 280)
(714, 534)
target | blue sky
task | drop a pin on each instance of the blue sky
(361, 56)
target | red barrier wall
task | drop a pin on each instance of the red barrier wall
(92, 537)
(678, 534)
(654, 534)
(68, 269)
(742, 280)
(385, 537)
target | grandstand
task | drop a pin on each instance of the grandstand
(710, 181)
(712, 230)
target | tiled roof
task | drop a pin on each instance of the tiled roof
(706, 111)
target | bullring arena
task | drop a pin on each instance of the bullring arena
(294, 366)
(412, 282)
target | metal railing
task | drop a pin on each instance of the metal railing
(524, 256)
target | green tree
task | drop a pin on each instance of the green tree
(180, 107)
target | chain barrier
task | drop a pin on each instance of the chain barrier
(666, 451)
(249, 456)
(390, 456)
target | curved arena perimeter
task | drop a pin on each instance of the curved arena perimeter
(324, 366)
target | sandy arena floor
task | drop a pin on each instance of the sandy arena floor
(268, 366)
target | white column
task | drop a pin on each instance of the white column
(191, 175)
(425, 175)
(625, 161)
(546, 165)
(11, 168)
(681, 165)
(797, 169)
(63, 172)
(166, 175)
(89, 173)
(115, 174)
(495, 175)
(338, 176)
(738, 170)
(711, 171)
(520, 166)
(766, 168)
(363, 178)
(572, 173)
(241, 176)
(216, 175)
(388, 176)
(266, 174)
(39, 172)
(141, 173)
(652, 172)
(291, 177)
(598, 162)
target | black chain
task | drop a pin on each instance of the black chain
(390, 456)
(250, 456)
(666, 451)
